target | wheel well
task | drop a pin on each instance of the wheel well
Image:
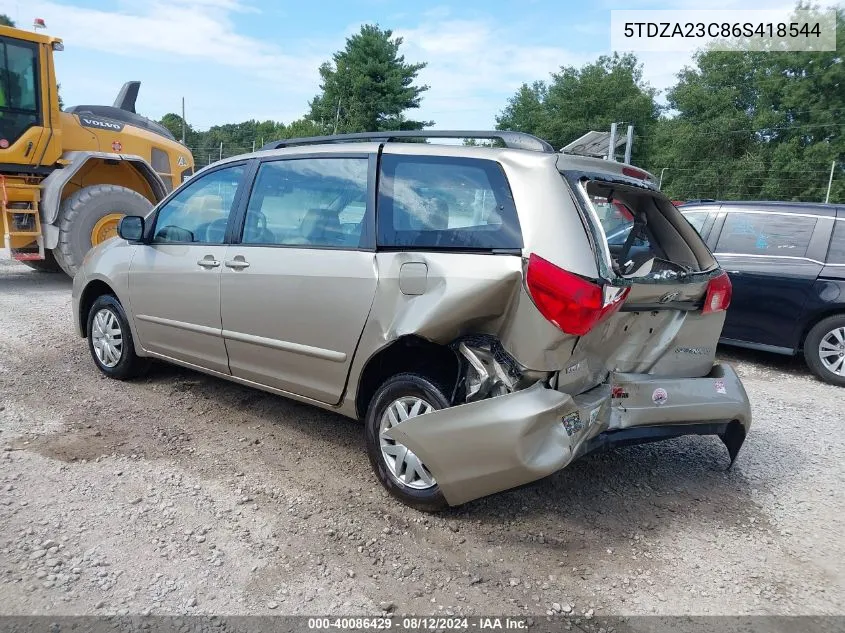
(408, 353)
(92, 291)
(816, 319)
(98, 171)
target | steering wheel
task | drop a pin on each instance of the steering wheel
(215, 232)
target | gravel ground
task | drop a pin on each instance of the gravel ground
(181, 493)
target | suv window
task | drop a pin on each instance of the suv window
(836, 254)
(308, 202)
(199, 213)
(697, 219)
(445, 202)
(766, 234)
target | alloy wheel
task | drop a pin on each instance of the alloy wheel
(832, 351)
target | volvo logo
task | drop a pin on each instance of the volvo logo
(102, 124)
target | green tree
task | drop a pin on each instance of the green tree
(368, 86)
(173, 122)
(756, 125)
(577, 100)
(526, 110)
(5, 20)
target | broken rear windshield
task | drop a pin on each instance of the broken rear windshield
(645, 234)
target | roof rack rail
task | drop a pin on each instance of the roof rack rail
(514, 140)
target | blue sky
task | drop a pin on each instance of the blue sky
(239, 59)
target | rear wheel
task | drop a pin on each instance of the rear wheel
(110, 340)
(46, 265)
(824, 349)
(398, 469)
(89, 217)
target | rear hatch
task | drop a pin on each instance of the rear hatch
(663, 295)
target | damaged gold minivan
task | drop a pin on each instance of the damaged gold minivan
(463, 301)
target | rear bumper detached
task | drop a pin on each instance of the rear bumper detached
(492, 445)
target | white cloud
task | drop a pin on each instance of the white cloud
(473, 66)
(187, 30)
(189, 48)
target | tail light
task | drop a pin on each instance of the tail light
(719, 292)
(572, 303)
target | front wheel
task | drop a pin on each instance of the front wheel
(824, 349)
(398, 469)
(110, 340)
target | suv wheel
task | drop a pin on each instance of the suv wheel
(824, 349)
(400, 471)
(110, 340)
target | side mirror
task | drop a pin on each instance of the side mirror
(131, 228)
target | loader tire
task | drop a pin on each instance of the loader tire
(46, 265)
(80, 213)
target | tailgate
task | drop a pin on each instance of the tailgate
(663, 327)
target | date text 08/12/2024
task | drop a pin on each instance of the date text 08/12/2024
(421, 623)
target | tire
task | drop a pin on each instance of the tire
(827, 330)
(128, 363)
(81, 211)
(46, 265)
(408, 386)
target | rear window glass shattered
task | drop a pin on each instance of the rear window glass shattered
(642, 235)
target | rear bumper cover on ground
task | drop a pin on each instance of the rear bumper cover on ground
(485, 447)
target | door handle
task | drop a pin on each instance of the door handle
(208, 263)
(237, 264)
(733, 272)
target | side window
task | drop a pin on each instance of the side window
(308, 202)
(438, 202)
(697, 220)
(836, 254)
(18, 88)
(766, 234)
(200, 212)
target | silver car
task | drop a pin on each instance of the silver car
(462, 301)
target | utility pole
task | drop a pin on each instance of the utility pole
(183, 120)
(253, 145)
(660, 184)
(221, 150)
(829, 182)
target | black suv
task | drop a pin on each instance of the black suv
(786, 261)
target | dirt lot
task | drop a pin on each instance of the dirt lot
(181, 493)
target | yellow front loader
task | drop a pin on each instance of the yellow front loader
(67, 177)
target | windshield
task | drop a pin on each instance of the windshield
(18, 89)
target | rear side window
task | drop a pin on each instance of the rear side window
(836, 254)
(766, 234)
(434, 202)
(697, 219)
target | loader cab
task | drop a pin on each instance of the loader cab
(19, 107)
(28, 106)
